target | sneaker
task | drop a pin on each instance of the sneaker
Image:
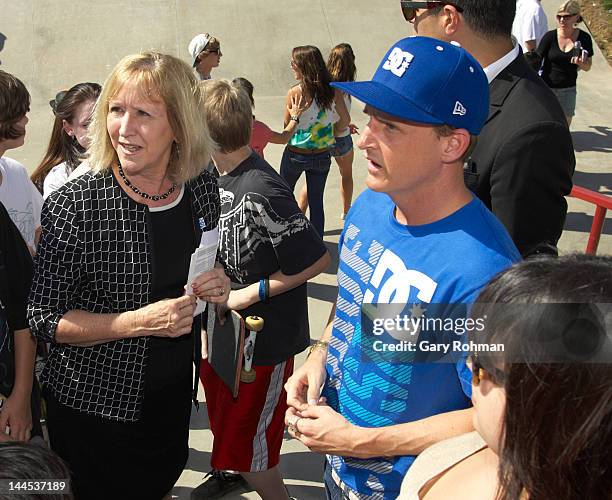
(218, 483)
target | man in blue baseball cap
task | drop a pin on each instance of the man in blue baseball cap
(415, 237)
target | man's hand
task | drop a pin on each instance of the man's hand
(323, 430)
(305, 385)
(16, 414)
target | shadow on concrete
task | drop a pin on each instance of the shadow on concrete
(599, 141)
(199, 461)
(2, 40)
(327, 293)
(199, 418)
(303, 466)
(333, 232)
(581, 222)
(600, 182)
(332, 248)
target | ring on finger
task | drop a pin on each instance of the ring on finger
(221, 291)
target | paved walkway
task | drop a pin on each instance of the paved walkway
(52, 45)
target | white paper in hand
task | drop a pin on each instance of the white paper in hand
(202, 260)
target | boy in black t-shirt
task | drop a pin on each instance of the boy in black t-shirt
(17, 345)
(269, 250)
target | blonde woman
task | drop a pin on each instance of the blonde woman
(565, 51)
(108, 287)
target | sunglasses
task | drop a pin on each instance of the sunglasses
(409, 8)
(564, 17)
(478, 372)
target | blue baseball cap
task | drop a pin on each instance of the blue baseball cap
(426, 80)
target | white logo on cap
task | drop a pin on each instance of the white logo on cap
(398, 61)
(459, 109)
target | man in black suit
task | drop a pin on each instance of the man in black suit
(523, 163)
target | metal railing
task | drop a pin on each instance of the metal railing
(602, 203)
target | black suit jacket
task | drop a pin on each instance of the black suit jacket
(523, 163)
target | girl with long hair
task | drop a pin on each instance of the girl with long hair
(69, 141)
(309, 149)
(341, 67)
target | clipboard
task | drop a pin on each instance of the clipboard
(226, 349)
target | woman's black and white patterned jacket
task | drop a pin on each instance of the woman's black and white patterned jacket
(95, 255)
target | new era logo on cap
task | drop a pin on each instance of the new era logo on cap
(459, 109)
(398, 61)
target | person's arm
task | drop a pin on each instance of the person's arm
(323, 430)
(279, 283)
(530, 177)
(297, 105)
(584, 63)
(530, 45)
(304, 387)
(293, 92)
(344, 116)
(17, 412)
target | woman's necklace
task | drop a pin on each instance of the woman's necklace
(146, 196)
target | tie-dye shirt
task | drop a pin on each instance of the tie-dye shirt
(316, 128)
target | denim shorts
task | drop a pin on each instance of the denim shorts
(343, 146)
(567, 99)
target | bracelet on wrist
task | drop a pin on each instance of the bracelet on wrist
(264, 290)
(295, 118)
(318, 345)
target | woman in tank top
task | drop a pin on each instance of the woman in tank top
(309, 150)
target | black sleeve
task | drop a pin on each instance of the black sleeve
(544, 46)
(15, 272)
(587, 42)
(296, 243)
(58, 272)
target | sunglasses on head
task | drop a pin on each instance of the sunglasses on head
(409, 8)
(565, 17)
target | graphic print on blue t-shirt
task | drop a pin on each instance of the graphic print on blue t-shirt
(382, 261)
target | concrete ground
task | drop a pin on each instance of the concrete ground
(53, 45)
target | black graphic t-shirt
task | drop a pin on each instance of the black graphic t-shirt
(262, 230)
(15, 281)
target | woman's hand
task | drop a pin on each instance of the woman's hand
(354, 129)
(297, 105)
(212, 286)
(16, 414)
(582, 63)
(167, 318)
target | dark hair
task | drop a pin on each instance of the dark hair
(14, 104)
(341, 63)
(245, 85)
(315, 76)
(24, 461)
(558, 416)
(62, 147)
(489, 19)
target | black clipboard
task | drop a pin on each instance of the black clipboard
(226, 349)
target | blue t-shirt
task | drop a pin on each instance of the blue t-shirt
(383, 261)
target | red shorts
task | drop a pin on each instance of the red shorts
(248, 431)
